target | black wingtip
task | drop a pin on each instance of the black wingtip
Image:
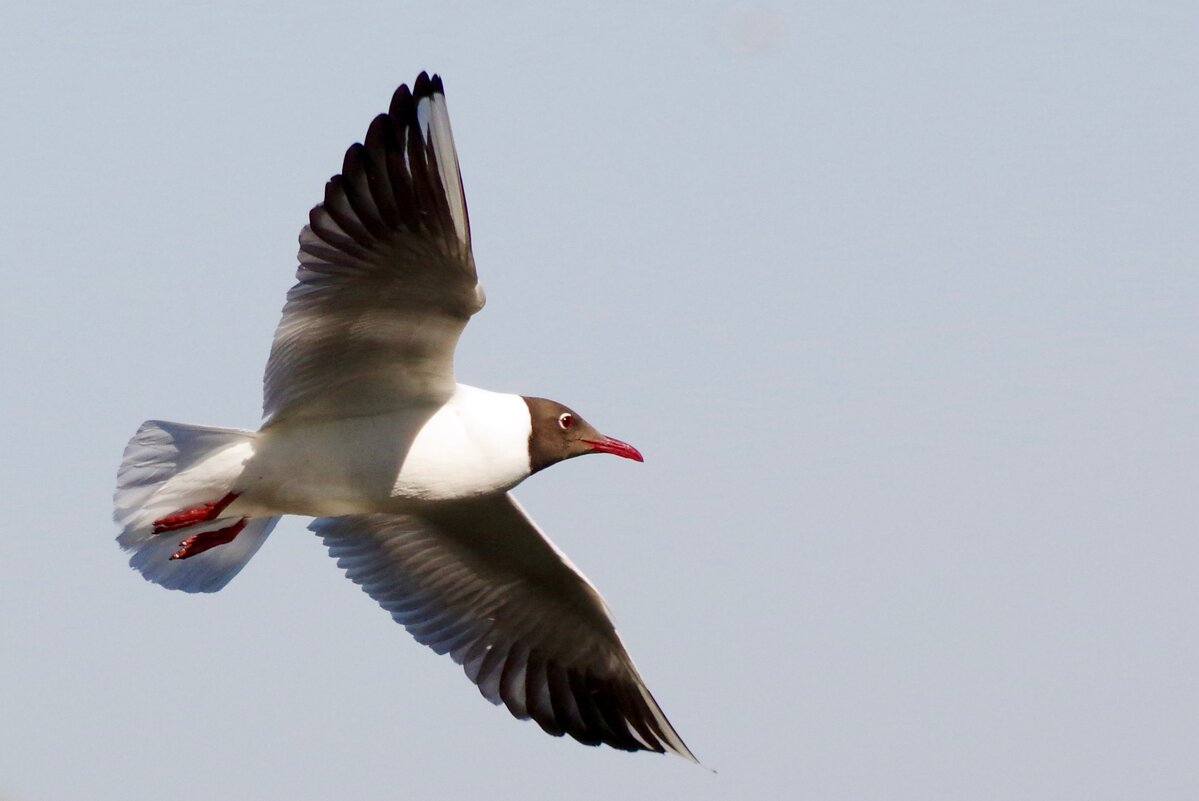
(422, 86)
(352, 161)
(404, 100)
(376, 132)
(402, 106)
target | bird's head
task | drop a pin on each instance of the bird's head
(559, 433)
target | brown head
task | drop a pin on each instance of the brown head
(558, 433)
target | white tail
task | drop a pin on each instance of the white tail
(168, 467)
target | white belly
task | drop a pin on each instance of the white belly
(476, 443)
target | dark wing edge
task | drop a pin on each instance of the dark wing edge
(391, 238)
(481, 583)
(402, 182)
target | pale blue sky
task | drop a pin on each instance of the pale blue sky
(899, 301)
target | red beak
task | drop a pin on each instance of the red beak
(615, 447)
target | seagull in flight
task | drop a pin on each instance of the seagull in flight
(407, 472)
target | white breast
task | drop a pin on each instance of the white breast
(477, 443)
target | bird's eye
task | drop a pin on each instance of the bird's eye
(566, 420)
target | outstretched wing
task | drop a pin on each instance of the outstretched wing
(386, 281)
(476, 579)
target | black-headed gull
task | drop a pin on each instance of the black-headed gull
(407, 472)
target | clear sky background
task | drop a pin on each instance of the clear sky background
(899, 300)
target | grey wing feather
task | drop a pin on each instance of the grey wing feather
(477, 580)
(386, 281)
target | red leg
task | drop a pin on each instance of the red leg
(201, 513)
(199, 543)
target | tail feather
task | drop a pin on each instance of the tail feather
(173, 466)
(205, 572)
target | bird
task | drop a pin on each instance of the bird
(407, 473)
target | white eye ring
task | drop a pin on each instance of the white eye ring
(566, 420)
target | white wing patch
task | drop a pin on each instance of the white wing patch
(434, 121)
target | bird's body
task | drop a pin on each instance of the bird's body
(406, 470)
(474, 444)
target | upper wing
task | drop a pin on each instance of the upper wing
(386, 278)
(478, 580)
